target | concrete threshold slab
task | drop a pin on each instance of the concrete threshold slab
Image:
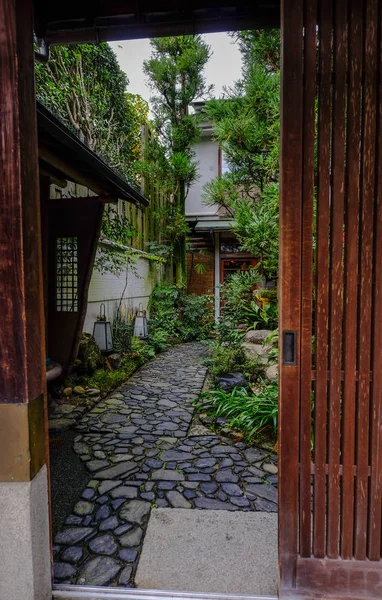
(210, 551)
(76, 592)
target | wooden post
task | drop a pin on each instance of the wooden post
(24, 559)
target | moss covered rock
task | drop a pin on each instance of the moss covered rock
(89, 354)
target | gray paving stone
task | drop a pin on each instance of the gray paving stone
(263, 490)
(125, 576)
(124, 491)
(128, 555)
(226, 476)
(176, 500)
(72, 554)
(109, 524)
(63, 570)
(119, 469)
(135, 511)
(98, 571)
(103, 544)
(132, 538)
(74, 535)
(167, 475)
(106, 486)
(232, 489)
(213, 504)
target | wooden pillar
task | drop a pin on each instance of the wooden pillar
(24, 511)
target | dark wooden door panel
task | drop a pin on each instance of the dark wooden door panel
(331, 259)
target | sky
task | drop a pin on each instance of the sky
(223, 68)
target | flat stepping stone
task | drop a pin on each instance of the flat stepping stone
(174, 455)
(263, 490)
(124, 491)
(73, 535)
(106, 486)
(98, 571)
(135, 511)
(96, 465)
(167, 475)
(72, 554)
(212, 504)
(133, 538)
(124, 578)
(119, 469)
(63, 570)
(176, 500)
(103, 544)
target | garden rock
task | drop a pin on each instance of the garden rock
(272, 372)
(257, 336)
(89, 354)
(230, 380)
(114, 361)
(256, 351)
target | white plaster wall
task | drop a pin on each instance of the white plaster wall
(207, 155)
(109, 288)
(24, 540)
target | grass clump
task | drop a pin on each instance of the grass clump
(251, 414)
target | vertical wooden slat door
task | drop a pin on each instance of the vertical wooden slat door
(330, 429)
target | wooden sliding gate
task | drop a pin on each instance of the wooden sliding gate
(331, 300)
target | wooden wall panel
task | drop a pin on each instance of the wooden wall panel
(331, 201)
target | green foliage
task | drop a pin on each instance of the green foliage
(231, 358)
(86, 88)
(273, 341)
(270, 294)
(105, 380)
(175, 74)
(246, 125)
(251, 414)
(236, 293)
(176, 316)
(173, 224)
(257, 229)
(196, 316)
(261, 318)
(122, 331)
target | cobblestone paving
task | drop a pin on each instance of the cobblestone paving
(135, 444)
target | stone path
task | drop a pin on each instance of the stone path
(136, 445)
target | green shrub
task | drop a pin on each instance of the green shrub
(122, 330)
(251, 414)
(232, 359)
(176, 316)
(106, 380)
(236, 293)
(197, 319)
(261, 318)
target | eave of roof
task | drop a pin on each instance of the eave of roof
(79, 22)
(68, 146)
